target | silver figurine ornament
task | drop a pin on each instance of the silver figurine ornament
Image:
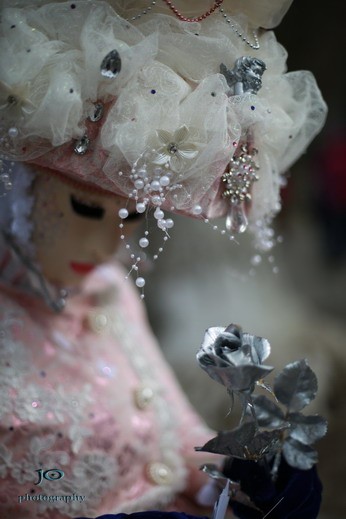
(245, 76)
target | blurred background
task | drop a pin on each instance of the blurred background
(296, 296)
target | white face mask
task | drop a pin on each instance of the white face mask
(74, 230)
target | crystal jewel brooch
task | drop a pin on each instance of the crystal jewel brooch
(238, 180)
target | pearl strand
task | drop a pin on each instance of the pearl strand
(229, 20)
(145, 11)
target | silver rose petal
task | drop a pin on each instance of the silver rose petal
(268, 413)
(237, 378)
(296, 385)
(259, 344)
(299, 455)
(307, 429)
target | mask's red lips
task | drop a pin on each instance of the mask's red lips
(82, 268)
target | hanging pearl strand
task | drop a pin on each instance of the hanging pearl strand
(150, 189)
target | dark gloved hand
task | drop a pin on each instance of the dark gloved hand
(301, 490)
(147, 515)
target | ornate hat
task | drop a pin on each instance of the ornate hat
(190, 112)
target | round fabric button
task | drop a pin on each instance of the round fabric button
(159, 473)
(98, 322)
(143, 396)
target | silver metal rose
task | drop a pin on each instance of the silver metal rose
(233, 358)
(267, 429)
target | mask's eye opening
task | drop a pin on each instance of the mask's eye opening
(86, 209)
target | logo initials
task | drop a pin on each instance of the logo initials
(49, 475)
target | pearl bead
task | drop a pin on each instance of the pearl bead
(169, 223)
(143, 242)
(142, 172)
(140, 282)
(139, 184)
(197, 210)
(256, 260)
(123, 213)
(155, 185)
(164, 181)
(156, 200)
(13, 132)
(158, 214)
(140, 207)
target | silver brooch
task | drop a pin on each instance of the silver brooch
(82, 146)
(238, 180)
(111, 64)
(245, 76)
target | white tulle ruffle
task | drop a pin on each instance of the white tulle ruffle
(170, 79)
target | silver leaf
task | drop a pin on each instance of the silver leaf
(268, 414)
(307, 429)
(266, 442)
(243, 443)
(299, 455)
(296, 385)
(231, 443)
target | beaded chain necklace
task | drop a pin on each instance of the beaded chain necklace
(183, 18)
(217, 5)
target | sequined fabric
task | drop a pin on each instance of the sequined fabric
(87, 392)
